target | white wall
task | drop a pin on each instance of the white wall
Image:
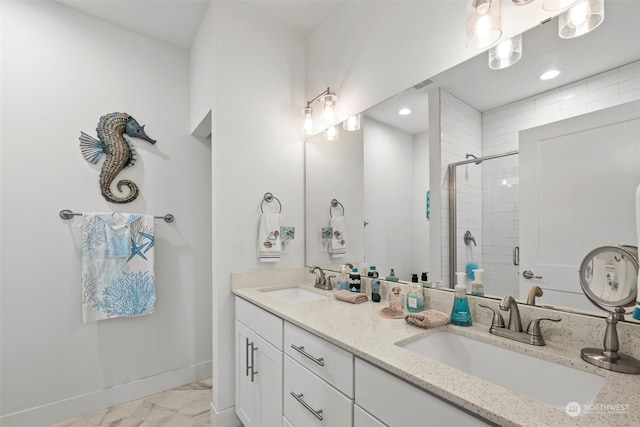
(334, 170)
(388, 193)
(257, 147)
(61, 71)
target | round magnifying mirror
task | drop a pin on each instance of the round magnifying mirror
(609, 276)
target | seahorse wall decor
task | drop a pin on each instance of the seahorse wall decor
(117, 148)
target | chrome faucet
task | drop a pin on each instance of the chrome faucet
(509, 304)
(321, 280)
(532, 336)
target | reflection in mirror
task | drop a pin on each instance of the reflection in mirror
(481, 112)
(609, 276)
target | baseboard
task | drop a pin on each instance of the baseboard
(73, 407)
(226, 418)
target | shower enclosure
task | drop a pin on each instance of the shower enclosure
(483, 220)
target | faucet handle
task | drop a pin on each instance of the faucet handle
(330, 284)
(534, 325)
(498, 320)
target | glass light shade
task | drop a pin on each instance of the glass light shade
(331, 133)
(307, 124)
(352, 123)
(580, 19)
(506, 53)
(329, 103)
(484, 23)
(554, 5)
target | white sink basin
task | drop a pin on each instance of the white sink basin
(539, 379)
(294, 295)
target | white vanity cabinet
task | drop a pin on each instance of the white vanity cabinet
(318, 381)
(258, 349)
(394, 402)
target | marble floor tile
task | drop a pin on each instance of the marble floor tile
(184, 406)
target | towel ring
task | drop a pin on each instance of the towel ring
(268, 197)
(334, 204)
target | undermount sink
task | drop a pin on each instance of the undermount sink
(294, 295)
(539, 379)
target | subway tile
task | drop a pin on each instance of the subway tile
(629, 85)
(613, 78)
(600, 104)
(602, 92)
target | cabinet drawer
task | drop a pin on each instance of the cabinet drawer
(317, 399)
(260, 321)
(329, 362)
(396, 402)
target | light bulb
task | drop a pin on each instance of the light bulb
(308, 121)
(352, 123)
(578, 15)
(331, 133)
(483, 27)
(504, 49)
(329, 102)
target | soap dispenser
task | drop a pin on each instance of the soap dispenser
(343, 280)
(477, 286)
(460, 313)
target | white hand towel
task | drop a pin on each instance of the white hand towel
(118, 279)
(338, 246)
(269, 244)
(636, 312)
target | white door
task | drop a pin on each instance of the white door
(578, 179)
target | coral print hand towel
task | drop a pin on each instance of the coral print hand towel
(117, 266)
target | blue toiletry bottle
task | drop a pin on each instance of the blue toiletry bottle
(460, 314)
(415, 299)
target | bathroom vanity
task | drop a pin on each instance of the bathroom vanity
(304, 358)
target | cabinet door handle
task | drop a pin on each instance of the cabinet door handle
(253, 373)
(298, 397)
(301, 350)
(246, 353)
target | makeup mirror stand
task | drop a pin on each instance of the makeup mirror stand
(609, 357)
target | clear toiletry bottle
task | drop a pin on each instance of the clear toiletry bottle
(460, 313)
(343, 280)
(354, 281)
(424, 278)
(395, 299)
(477, 286)
(415, 298)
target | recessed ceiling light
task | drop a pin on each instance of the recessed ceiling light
(550, 74)
(404, 111)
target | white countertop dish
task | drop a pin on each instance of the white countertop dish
(359, 329)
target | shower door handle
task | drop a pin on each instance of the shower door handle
(516, 255)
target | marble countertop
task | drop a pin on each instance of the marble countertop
(360, 330)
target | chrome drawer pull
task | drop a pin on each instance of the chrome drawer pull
(298, 397)
(253, 363)
(246, 352)
(307, 355)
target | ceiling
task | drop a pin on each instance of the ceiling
(615, 42)
(177, 22)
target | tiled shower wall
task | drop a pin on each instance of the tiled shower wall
(461, 133)
(500, 129)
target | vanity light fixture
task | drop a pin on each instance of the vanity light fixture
(484, 23)
(331, 133)
(329, 102)
(506, 53)
(551, 74)
(404, 111)
(583, 17)
(352, 123)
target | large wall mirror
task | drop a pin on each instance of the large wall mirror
(380, 174)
